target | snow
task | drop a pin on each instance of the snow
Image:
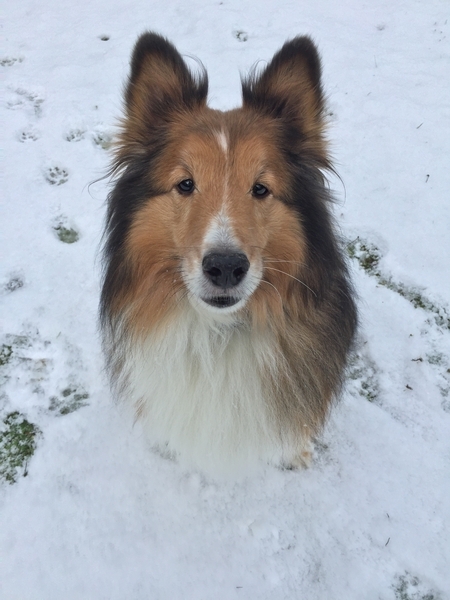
(101, 516)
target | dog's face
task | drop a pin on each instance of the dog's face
(216, 220)
(220, 211)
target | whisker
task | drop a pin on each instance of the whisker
(292, 277)
(271, 284)
(293, 262)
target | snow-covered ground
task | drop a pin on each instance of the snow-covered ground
(100, 516)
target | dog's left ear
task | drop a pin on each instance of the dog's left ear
(290, 89)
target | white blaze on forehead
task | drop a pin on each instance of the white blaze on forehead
(220, 233)
(222, 138)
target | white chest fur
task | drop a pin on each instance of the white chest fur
(200, 391)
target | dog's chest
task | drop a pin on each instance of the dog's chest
(202, 392)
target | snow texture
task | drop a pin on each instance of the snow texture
(95, 513)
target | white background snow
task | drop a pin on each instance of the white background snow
(99, 515)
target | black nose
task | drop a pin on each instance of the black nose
(225, 270)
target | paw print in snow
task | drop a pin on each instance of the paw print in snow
(63, 230)
(24, 98)
(56, 174)
(102, 137)
(70, 399)
(241, 36)
(30, 134)
(14, 282)
(9, 61)
(74, 135)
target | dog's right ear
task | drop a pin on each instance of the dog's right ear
(160, 82)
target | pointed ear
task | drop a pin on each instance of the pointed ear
(160, 81)
(290, 89)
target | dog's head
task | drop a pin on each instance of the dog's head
(224, 208)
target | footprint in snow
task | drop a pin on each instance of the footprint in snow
(74, 135)
(240, 35)
(29, 134)
(56, 174)
(102, 137)
(49, 369)
(410, 587)
(64, 231)
(14, 282)
(69, 400)
(9, 61)
(25, 98)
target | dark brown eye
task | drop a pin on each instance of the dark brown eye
(186, 186)
(260, 191)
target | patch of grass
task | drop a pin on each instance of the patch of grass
(418, 300)
(19, 341)
(440, 362)
(71, 399)
(362, 372)
(17, 446)
(368, 257)
(5, 354)
(435, 359)
(408, 587)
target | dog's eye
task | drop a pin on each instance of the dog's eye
(186, 186)
(260, 191)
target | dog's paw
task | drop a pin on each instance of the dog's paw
(301, 458)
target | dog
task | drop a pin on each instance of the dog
(226, 309)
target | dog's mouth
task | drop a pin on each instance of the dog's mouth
(221, 301)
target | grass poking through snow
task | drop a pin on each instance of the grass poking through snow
(368, 257)
(17, 446)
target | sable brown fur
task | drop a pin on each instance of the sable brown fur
(302, 311)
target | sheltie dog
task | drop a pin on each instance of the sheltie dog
(226, 309)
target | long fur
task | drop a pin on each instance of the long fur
(225, 378)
